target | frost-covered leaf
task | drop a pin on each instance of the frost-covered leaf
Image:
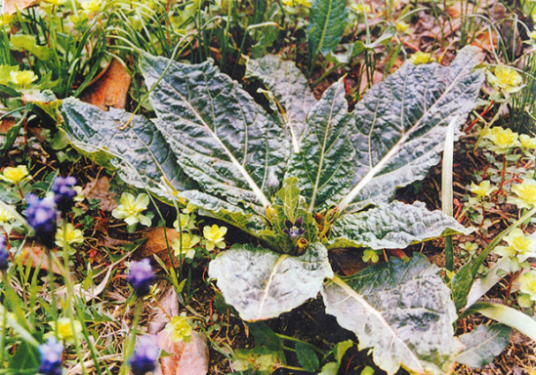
(392, 226)
(402, 310)
(483, 344)
(261, 284)
(400, 124)
(222, 138)
(139, 152)
(327, 21)
(324, 164)
(289, 92)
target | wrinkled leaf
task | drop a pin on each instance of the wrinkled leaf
(483, 344)
(261, 284)
(289, 92)
(139, 152)
(400, 125)
(392, 226)
(402, 310)
(222, 138)
(324, 164)
(327, 20)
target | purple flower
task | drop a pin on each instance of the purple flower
(145, 355)
(51, 354)
(4, 255)
(41, 214)
(64, 193)
(141, 276)
(294, 230)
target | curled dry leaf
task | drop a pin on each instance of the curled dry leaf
(186, 358)
(157, 244)
(100, 189)
(110, 89)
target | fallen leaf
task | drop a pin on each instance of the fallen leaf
(376, 77)
(11, 6)
(169, 302)
(186, 358)
(110, 89)
(100, 189)
(37, 255)
(156, 244)
(349, 262)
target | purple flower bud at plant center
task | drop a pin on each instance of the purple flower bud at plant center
(141, 276)
(51, 354)
(64, 193)
(145, 355)
(4, 255)
(294, 230)
(41, 214)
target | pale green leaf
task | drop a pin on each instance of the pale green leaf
(261, 284)
(289, 92)
(392, 226)
(327, 20)
(483, 344)
(29, 43)
(402, 310)
(324, 164)
(139, 152)
(401, 123)
(222, 138)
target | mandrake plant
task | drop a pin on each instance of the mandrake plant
(304, 177)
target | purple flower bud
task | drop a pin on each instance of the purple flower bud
(294, 230)
(141, 276)
(64, 193)
(4, 255)
(51, 354)
(41, 214)
(145, 355)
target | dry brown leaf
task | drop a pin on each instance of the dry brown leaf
(100, 189)
(156, 243)
(376, 77)
(11, 6)
(36, 254)
(186, 358)
(170, 303)
(109, 90)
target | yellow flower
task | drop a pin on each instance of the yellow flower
(179, 329)
(68, 237)
(527, 284)
(189, 209)
(14, 175)
(79, 197)
(483, 189)
(503, 139)
(64, 330)
(92, 6)
(359, 8)
(23, 78)
(130, 209)
(527, 142)
(520, 246)
(214, 237)
(526, 194)
(5, 216)
(533, 35)
(55, 2)
(184, 222)
(6, 19)
(188, 241)
(291, 3)
(505, 78)
(419, 58)
(401, 26)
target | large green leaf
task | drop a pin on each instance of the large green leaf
(401, 123)
(392, 226)
(288, 91)
(261, 284)
(327, 21)
(222, 138)
(324, 164)
(139, 152)
(483, 344)
(402, 310)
